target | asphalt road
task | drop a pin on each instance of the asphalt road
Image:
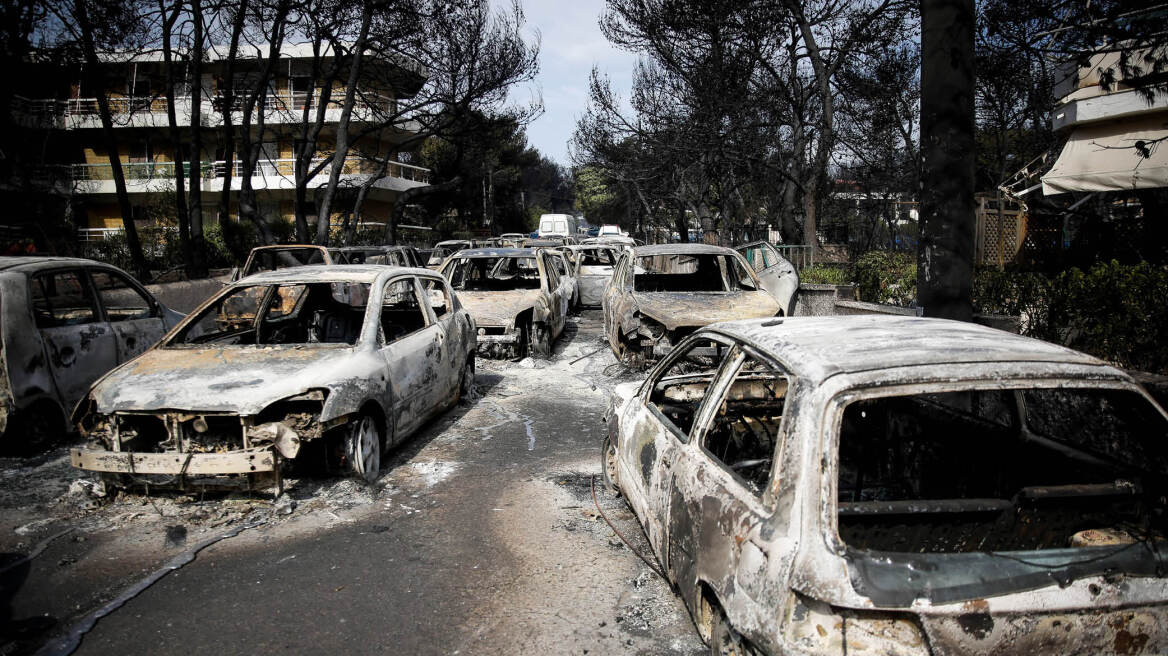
(481, 537)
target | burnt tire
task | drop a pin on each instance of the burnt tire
(33, 430)
(608, 475)
(724, 640)
(540, 341)
(362, 448)
(466, 381)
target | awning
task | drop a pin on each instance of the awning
(1108, 157)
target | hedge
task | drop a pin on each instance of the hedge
(1116, 312)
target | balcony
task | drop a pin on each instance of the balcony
(279, 108)
(276, 174)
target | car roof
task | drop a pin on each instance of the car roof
(683, 249)
(496, 252)
(37, 262)
(365, 273)
(274, 247)
(819, 347)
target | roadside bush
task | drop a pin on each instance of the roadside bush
(888, 277)
(1112, 311)
(824, 274)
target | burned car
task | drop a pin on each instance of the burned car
(518, 300)
(899, 485)
(282, 256)
(659, 294)
(594, 265)
(567, 272)
(346, 361)
(445, 249)
(775, 272)
(64, 322)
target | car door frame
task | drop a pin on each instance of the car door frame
(613, 293)
(652, 503)
(413, 350)
(156, 313)
(557, 298)
(452, 342)
(736, 565)
(70, 385)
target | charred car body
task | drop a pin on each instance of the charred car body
(880, 485)
(64, 322)
(594, 265)
(518, 300)
(659, 294)
(282, 256)
(776, 274)
(345, 359)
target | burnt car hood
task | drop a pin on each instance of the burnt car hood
(685, 309)
(498, 308)
(240, 380)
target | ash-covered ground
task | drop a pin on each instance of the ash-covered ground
(480, 537)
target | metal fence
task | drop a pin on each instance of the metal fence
(801, 256)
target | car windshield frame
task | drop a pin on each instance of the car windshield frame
(456, 259)
(264, 307)
(726, 263)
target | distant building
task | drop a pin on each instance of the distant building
(78, 164)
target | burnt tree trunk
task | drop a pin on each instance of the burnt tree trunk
(197, 265)
(141, 268)
(945, 247)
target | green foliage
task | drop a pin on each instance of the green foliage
(1112, 311)
(826, 275)
(888, 277)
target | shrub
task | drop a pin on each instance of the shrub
(888, 277)
(825, 274)
(1112, 311)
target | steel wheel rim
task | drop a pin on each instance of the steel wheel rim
(610, 462)
(367, 448)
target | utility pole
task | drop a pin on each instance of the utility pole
(947, 222)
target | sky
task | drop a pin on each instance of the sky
(571, 44)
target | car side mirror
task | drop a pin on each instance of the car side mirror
(234, 274)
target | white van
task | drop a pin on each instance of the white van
(563, 225)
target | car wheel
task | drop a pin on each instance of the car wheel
(33, 429)
(363, 449)
(466, 383)
(608, 466)
(724, 640)
(541, 340)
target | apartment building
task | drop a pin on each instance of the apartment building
(135, 84)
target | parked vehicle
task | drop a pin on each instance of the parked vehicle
(445, 249)
(893, 485)
(346, 361)
(282, 256)
(612, 240)
(64, 322)
(777, 275)
(510, 240)
(365, 255)
(610, 230)
(518, 300)
(567, 272)
(659, 294)
(560, 225)
(594, 265)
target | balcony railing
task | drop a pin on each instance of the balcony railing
(265, 168)
(275, 102)
(135, 171)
